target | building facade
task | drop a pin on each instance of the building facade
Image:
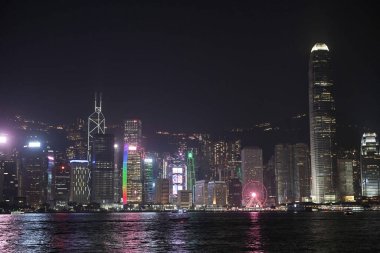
(370, 165)
(102, 169)
(79, 182)
(322, 126)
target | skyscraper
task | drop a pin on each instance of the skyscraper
(370, 165)
(286, 174)
(252, 166)
(292, 172)
(132, 165)
(61, 185)
(34, 173)
(96, 125)
(79, 182)
(102, 169)
(148, 180)
(322, 126)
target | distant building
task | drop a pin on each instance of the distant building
(79, 182)
(132, 162)
(185, 199)
(77, 142)
(292, 173)
(61, 185)
(270, 181)
(302, 164)
(148, 180)
(8, 181)
(234, 192)
(161, 191)
(370, 165)
(217, 194)
(322, 126)
(201, 193)
(252, 166)
(34, 173)
(102, 169)
(346, 180)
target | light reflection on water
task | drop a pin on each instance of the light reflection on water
(203, 232)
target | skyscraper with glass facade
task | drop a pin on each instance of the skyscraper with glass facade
(322, 126)
(132, 162)
(370, 165)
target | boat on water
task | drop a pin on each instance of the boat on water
(17, 212)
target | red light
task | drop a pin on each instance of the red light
(63, 167)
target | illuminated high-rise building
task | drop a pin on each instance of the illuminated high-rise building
(200, 193)
(322, 126)
(8, 180)
(302, 164)
(252, 166)
(286, 174)
(102, 169)
(190, 170)
(234, 192)
(96, 125)
(346, 179)
(148, 180)
(61, 185)
(79, 182)
(370, 165)
(133, 132)
(34, 172)
(292, 172)
(77, 142)
(217, 194)
(132, 162)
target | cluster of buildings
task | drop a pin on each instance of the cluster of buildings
(102, 169)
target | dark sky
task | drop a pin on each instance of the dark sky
(185, 64)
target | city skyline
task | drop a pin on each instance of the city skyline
(179, 79)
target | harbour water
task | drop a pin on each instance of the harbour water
(202, 232)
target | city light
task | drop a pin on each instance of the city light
(132, 148)
(51, 158)
(148, 160)
(3, 139)
(34, 144)
(253, 194)
(115, 145)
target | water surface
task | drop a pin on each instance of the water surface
(203, 232)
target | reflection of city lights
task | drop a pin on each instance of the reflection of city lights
(253, 194)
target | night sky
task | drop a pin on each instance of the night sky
(185, 65)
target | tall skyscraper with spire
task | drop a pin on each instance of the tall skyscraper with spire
(322, 126)
(96, 124)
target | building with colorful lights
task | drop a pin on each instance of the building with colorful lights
(148, 180)
(132, 186)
